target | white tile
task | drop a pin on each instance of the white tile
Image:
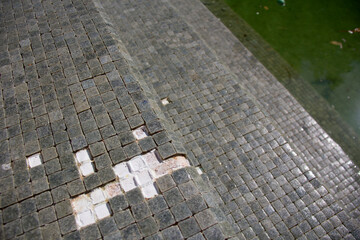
(140, 133)
(34, 160)
(136, 164)
(149, 191)
(85, 219)
(122, 170)
(143, 178)
(82, 156)
(152, 174)
(97, 196)
(102, 211)
(6, 166)
(81, 204)
(86, 169)
(78, 221)
(151, 159)
(165, 101)
(112, 189)
(127, 184)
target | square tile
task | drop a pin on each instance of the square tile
(151, 159)
(34, 160)
(82, 156)
(143, 178)
(140, 133)
(149, 191)
(128, 184)
(81, 204)
(85, 219)
(97, 196)
(87, 169)
(102, 210)
(112, 189)
(122, 170)
(136, 164)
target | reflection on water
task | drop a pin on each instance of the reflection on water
(346, 97)
(318, 38)
(342, 92)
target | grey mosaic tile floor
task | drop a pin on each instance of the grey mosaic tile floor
(311, 142)
(89, 75)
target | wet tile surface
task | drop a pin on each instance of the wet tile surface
(104, 105)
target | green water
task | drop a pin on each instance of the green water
(305, 32)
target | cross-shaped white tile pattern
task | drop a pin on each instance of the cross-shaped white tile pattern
(140, 171)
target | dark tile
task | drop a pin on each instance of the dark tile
(189, 227)
(148, 226)
(107, 226)
(67, 224)
(140, 210)
(47, 215)
(180, 176)
(157, 204)
(131, 232)
(214, 233)
(134, 196)
(123, 218)
(172, 233)
(165, 183)
(181, 211)
(164, 219)
(205, 219)
(173, 197)
(43, 200)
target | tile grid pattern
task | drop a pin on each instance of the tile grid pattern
(173, 57)
(65, 85)
(311, 142)
(75, 75)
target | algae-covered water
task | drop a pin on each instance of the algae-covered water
(319, 39)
